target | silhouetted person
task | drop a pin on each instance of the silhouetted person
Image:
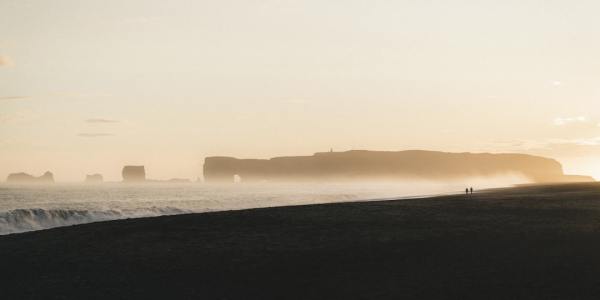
(467, 191)
(471, 190)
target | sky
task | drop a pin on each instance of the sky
(89, 86)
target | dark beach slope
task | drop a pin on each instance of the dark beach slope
(528, 242)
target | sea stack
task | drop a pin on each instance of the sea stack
(134, 174)
(94, 178)
(48, 177)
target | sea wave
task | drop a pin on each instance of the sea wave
(22, 220)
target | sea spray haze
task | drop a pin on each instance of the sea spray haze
(36, 207)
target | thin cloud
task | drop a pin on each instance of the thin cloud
(588, 142)
(57, 94)
(101, 121)
(583, 146)
(562, 121)
(576, 148)
(94, 135)
(519, 145)
(14, 98)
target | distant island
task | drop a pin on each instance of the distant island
(48, 177)
(134, 174)
(137, 174)
(356, 165)
(377, 165)
(94, 178)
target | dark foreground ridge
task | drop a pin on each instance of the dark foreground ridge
(523, 243)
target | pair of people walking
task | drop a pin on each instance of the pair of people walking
(469, 190)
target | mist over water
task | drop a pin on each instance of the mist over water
(35, 207)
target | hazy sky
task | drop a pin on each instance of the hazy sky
(88, 86)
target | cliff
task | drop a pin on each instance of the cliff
(376, 165)
(134, 174)
(48, 177)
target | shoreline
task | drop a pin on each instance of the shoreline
(229, 210)
(24, 218)
(532, 242)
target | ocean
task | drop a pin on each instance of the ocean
(37, 207)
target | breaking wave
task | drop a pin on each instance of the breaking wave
(42, 207)
(22, 220)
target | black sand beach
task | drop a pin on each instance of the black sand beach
(523, 243)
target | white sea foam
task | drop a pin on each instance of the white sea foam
(21, 220)
(27, 208)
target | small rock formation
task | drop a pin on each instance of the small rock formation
(134, 174)
(48, 177)
(94, 178)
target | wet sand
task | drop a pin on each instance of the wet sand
(538, 242)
